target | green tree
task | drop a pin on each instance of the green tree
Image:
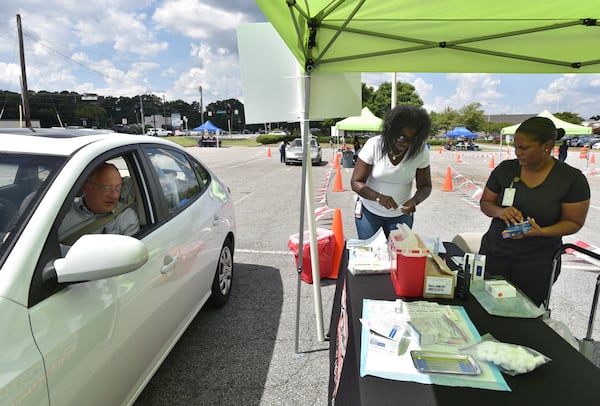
(572, 118)
(94, 115)
(445, 121)
(368, 93)
(381, 101)
(222, 113)
(472, 117)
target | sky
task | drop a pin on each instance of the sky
(170, 48)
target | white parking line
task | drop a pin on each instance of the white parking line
(242, 199)
(263, 252)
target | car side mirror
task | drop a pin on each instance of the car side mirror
(99, 256)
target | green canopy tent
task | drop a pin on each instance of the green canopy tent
(570, 128)
(487, 36)
(367, 121)
(510, 36)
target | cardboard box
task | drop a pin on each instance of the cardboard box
(439, 281)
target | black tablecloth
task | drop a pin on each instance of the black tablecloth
(569, 379)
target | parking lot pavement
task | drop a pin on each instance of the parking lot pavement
(244, 353)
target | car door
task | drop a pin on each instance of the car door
(193, 205)
(102, 340)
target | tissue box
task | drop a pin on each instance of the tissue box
(500, 289)
(439, 281)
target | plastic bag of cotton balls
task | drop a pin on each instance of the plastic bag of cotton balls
(510, 358)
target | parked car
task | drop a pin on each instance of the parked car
(159, 132)
(88, 323)
(579, 141)
(592, 140)
(293, 152)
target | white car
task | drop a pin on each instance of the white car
(90, 323)
(293, 152)
(159, 132)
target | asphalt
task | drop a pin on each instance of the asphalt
(245, 353)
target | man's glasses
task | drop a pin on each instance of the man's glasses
(108, 188)
(402, 138)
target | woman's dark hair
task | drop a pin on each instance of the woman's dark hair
(541, 129)
(401, 117)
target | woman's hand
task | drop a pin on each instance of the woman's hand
(535, 231)
(409, 207)
(387, 201)
(511, 215)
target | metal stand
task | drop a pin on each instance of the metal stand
(586, 346)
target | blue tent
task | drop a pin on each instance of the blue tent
(460, 132)
(209, 127)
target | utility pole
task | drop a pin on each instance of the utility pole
(24, 90)
(142, 114)
(201, 106)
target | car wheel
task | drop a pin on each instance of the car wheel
(221, 286)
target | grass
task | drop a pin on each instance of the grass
(226, 142)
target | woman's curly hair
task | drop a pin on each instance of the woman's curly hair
(401, 117)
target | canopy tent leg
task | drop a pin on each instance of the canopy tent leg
(307, 205)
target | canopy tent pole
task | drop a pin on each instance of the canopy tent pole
(307, 204)
(394, 91)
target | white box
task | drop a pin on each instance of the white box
(478, 271)
(475, 265)
(500, 289)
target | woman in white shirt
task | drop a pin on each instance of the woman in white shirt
(385, 170)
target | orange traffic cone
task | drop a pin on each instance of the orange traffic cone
(448, 181)
(269, 152)
(336, 161)
(555, 152)
(492, 164)
(458, 157)
(593, 158)
(441, 149)
(337, 183)
(338, 248)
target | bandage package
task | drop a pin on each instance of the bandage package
(500, 289)
(516, 229)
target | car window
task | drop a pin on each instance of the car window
(178, 179)
(104, 208)
(313, 143)
(22, 179)
(297, 143)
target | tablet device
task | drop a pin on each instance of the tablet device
(444, 363)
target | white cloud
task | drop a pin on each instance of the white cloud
(217, 71)
(127, 47)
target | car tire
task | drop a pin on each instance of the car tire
(221, 286)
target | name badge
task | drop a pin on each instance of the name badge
(509, 196)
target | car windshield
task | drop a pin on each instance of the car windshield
(297, 143)
(23, 178)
